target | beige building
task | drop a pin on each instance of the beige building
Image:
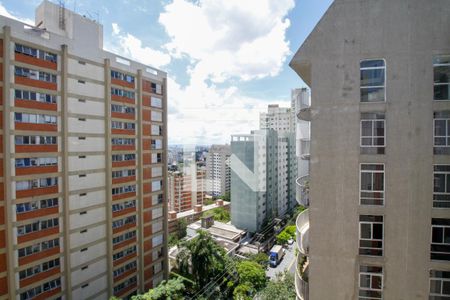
(379, 215)
(83, 200)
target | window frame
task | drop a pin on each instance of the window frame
(371, 233)
(367, 87)
(371, 274)
(440, 65)
(383, 192)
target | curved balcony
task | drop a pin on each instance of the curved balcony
(304, 113)
(301, 283)
(302, 224)
(302, 190)
(305, 145)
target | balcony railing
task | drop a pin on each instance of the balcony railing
(301, 285)
(305, 145)
(305, 112)
(302, 224)
(302, 190)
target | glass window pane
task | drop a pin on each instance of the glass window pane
(446, 287)
(447, 235)
(366, 231)
(442, 92)
(378, 231)
(439, 127)
(364, 281)
(366, 181)
(379, 128)
(437, 235)
(372, 63)
(366, 128)
(372, 94)
(376, 282)
(378, 184)
(439, 183)
(442, 74)
(374, 77)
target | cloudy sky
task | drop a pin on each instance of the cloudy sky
(226, 59)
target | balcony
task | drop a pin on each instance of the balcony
(302, 190)
(302, 224)
(301, 274)
(304, 112)
(301, 283)
(305, 145)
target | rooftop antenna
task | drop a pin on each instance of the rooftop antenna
(62, 15)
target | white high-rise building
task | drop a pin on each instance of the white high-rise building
(218, 170)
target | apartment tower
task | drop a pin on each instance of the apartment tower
(84, 136)
(218, 170)
(379, 215)
(186, 189)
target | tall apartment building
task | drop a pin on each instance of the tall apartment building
(278, 118)
(218, 170)
(186, 189)
(259, 178)
(83, 175)
(379, 214)
(281, 119)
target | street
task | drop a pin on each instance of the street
(288, 262)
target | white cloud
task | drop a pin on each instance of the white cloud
(130, 46)
(229, 38)
(6, 13)
(223, 40)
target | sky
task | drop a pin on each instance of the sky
(226, 59)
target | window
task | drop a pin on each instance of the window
(41, 54)
(125, 284)
(371, 235)
(156, 88)
(34, 96)
(37, 226)
(35, 205)
(156, 102)
(36, 183)
(36, 248)
(122, 141)
(441, 124)
(123, 157)
(124, 253)
(34, 118)
(122, 125)
(441, 68)
(124, 189)
(122, 93)
(122, 109)
(372, 133)
(35, 75)
(122, 76)
(440, 239)
(370, 283)
(439, 285)
(156, 144)
(441, 188)
(156, 130)
(48, 286)
(124, 221)
(156, 116)
(156, 158)
(372, 80)
(372, 184)
(35, 140)
(157, 240)
(129, 266)
(39, 268)
(123, 173)
(156, 185)
(36, 162)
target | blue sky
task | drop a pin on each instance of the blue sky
(226, 59)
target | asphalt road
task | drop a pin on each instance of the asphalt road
(288, 263)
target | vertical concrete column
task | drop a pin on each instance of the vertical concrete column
(165, 203)
(140, 202)
(7, 160)
(108, 177)
(65, 170)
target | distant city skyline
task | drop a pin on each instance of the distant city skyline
(219, 79)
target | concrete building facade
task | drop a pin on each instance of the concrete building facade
(186, 189)
(260, 178)
(379, 216)
(84, 135)
(218, 170)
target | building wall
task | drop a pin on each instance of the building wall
(218, 170)
(407, 34)
(82, 233)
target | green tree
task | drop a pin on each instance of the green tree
(205, 258)
(291, 230)
(173, 239)
(173, 289)
(226, 197)
(243, 292)
(261, 258)
(282, 288)
(251, 273)
(182, 228)
(283, 237)
(219, 214)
